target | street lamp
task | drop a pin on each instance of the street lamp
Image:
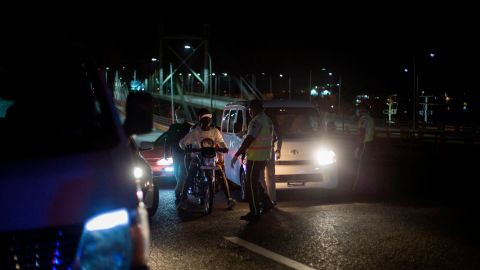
(187, 47)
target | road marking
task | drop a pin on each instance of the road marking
(267, 253)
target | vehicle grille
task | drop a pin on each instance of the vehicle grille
(52, 248)
(299, 178)
(294, 162)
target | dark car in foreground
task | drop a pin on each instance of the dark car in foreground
(68, 197)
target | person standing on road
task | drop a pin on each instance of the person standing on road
(363, 150)
(269, 175)
(175, 133)
(258, 148)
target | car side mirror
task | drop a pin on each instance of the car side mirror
(144, 146)
(139, 113)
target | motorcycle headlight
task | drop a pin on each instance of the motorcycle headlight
(325, 157)
(165, 161)
(114, 240)
(209, 161)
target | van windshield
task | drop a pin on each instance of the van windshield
(295, 122)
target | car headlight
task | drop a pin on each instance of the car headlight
(114, 240)
(137, 172)
(325, 157)
(165, 161)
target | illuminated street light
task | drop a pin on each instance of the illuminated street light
(281, 75)
(406, 70)
(330, 74)
(187, 47)
(154, 59)
(225, 74)
(432, 55)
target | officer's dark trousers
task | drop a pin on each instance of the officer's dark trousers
(256, 196)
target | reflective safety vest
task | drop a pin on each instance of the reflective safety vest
(261, 147)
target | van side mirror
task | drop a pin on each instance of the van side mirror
(139, 113)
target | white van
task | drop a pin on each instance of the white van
(308, 158)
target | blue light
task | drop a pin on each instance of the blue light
(107, 221)
(169, 169)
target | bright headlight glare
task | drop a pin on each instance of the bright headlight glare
(106, 242)
(107, 221)
(325, 157)
(137, 172)
(115, 240)
(165, 161)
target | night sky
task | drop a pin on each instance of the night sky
(370, 57)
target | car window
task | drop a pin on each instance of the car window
(296, 122)
(231, 123)
(225, 118)
(160, 141)
(51, 106)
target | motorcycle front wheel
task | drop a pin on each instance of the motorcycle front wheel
(208, 192)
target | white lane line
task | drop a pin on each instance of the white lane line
(267, 253)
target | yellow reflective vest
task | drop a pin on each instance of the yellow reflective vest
(261, 147)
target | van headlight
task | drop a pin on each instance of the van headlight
(325, 157)
(114, 240)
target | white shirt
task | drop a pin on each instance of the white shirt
(198, 134)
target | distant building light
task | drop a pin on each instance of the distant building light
(326, 93)
(314, 93)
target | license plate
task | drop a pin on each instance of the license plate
(295, 183)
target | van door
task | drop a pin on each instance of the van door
(233, 138)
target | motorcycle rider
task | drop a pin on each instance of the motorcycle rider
(197, 134)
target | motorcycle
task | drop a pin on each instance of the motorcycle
(202, 188)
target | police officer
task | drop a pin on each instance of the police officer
(258, 148)
(365, 135)
(269, 175)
